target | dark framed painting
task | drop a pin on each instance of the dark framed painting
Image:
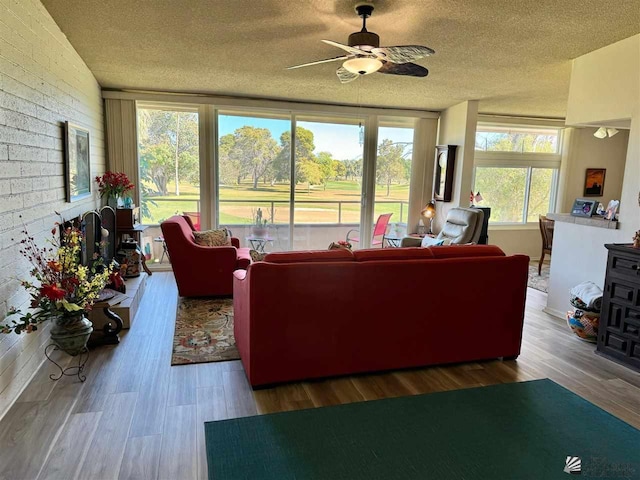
(443, 182)
(77, 156)
(594, 182)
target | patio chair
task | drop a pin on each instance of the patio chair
(194, 218)
(378, 230)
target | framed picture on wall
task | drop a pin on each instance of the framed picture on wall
(594, 182)
(77, 159)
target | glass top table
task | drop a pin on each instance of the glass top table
(259, 243)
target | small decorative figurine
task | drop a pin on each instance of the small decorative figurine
(636, 240)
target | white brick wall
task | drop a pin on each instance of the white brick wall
(43, 83)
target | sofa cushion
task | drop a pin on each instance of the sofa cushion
(456, 251)
(339, 255)
(213, 238)
(410, 253)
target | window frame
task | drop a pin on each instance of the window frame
(209, 110)
(528, 160)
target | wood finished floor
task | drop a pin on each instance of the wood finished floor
(138, 417)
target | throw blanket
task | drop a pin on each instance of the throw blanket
(587, 296)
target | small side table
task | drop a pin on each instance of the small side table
(164, 248)
(258, 243)
(393, 241)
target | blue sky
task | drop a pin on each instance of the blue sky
(342, 141)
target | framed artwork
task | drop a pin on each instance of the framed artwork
(77, 159)
(443, 182)
(594, 182)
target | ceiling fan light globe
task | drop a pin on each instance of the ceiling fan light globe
(362, 66)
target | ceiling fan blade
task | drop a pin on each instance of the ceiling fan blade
(353, 50)
(345, 75)
(402, 54)
(326, 60)
(410, 69)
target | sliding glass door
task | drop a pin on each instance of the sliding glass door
(394, 160)
(328, 178)
(274, 196)
(253, 181)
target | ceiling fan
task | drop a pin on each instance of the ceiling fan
(365, 55)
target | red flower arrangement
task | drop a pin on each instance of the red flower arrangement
(114, 184)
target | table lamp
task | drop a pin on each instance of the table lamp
(429, 213)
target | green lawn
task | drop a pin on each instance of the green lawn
(238, 202)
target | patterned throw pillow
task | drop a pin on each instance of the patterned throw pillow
(213, 238)
(257, 256)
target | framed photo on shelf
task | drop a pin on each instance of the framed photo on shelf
(583, 207)
(594, 182)
(77, 158)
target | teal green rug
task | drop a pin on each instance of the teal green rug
(531, 430)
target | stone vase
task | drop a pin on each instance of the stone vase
(71, 333)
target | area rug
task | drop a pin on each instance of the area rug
(530, 430)
(539, 282)
(204, 331)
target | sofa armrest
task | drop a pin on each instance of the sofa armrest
(411, 242)
(242, 317)
(235, 242)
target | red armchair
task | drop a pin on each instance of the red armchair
(201, 271)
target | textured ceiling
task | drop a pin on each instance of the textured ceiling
(512, 55)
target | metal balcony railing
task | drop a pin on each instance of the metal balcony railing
(272, 205)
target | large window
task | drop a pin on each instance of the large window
(169, 161)
(254, 169)
(516, 171)
(496, 138)
(307, 177)
(393, 169)
(328, 174)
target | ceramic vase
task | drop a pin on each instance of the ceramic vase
(112, 202)
(71, 333)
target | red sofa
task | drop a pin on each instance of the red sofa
(304, 315)
(201, 271)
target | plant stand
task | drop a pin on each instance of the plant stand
(75, 370)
